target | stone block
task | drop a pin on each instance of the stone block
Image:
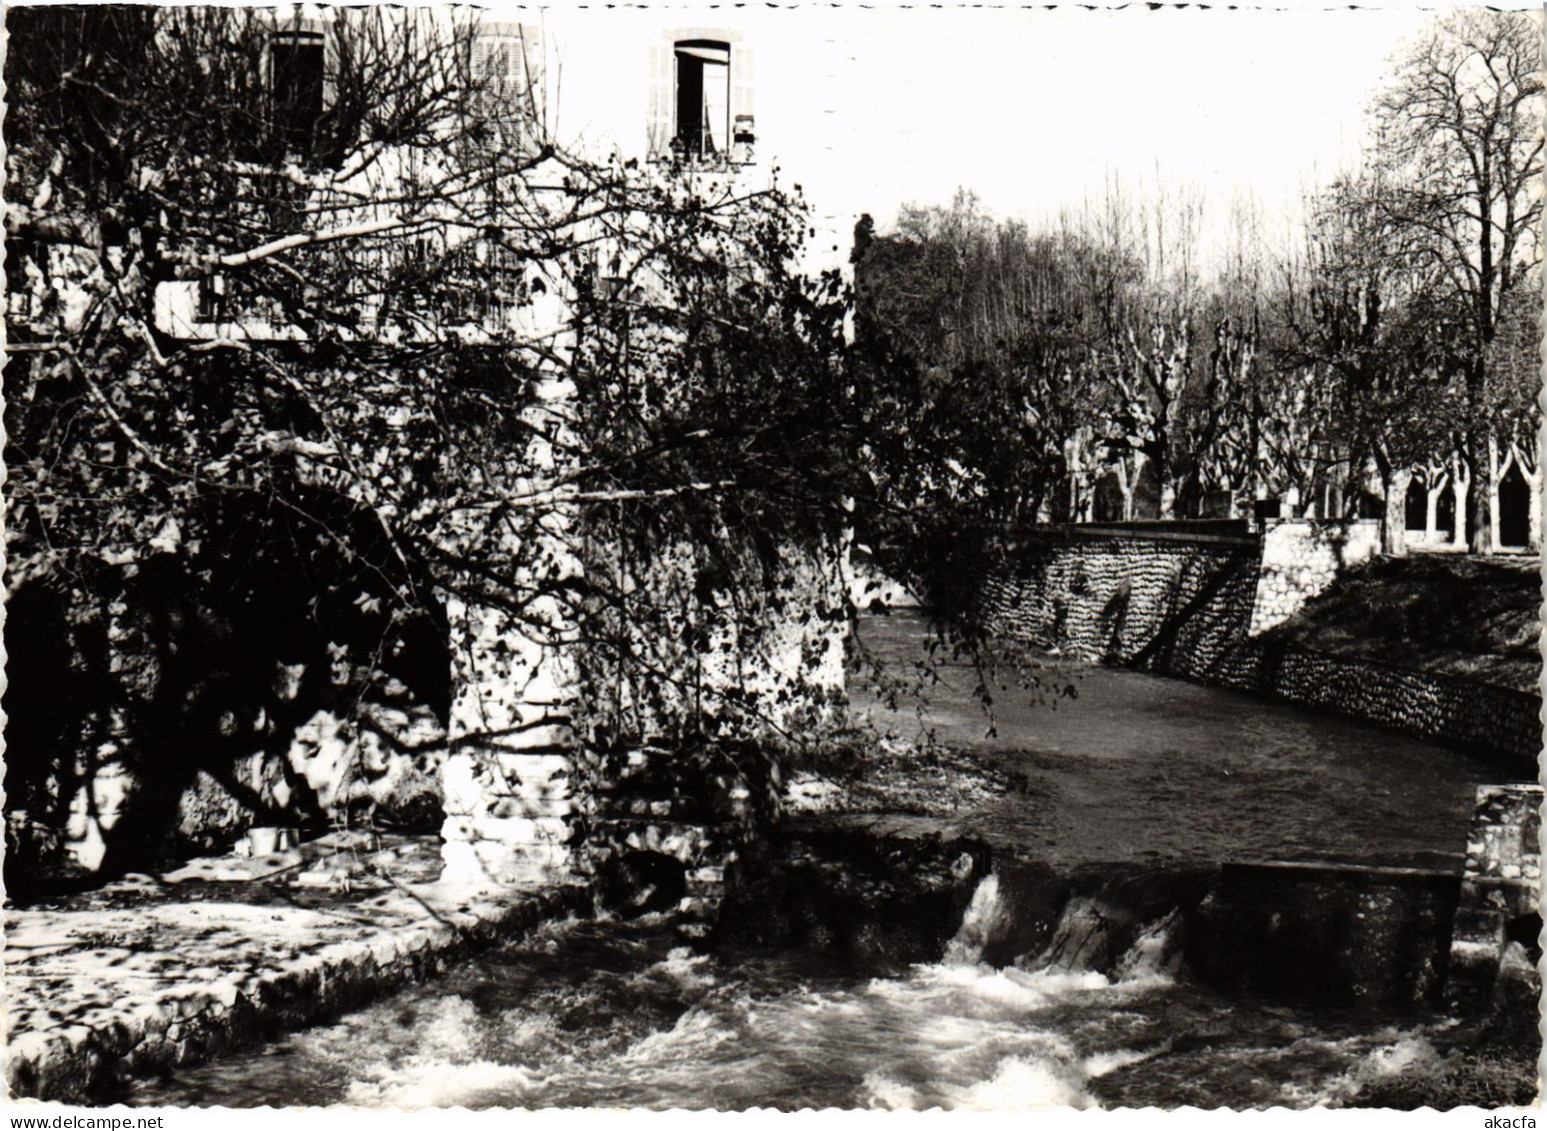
(1502, 845)
(487, 863)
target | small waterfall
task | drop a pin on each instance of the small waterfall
(1156, 951)
(986, 919)
(1123, 931)
(1082, 939)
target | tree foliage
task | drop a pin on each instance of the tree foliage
(435, 360)
(1112, 366)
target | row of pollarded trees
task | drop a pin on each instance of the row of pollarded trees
(1093, 370)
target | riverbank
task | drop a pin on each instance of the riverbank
(1137, 772)
(1475, 618)
(150, 974)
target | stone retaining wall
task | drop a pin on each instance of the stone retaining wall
(1498, 921)
(1174, 603)
(1202, 608)
(1301, 559)
(1458, 712)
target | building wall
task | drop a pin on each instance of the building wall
(598, 82)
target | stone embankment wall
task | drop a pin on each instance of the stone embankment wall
(1171, 602)
(1303, 559)
(1204, 607)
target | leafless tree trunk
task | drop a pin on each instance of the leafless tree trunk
(1394, 479)
(1436, 477)
(1460, 485)
(1495, 474)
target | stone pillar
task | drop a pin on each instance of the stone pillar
(511, 743)
(506, 779)
(1499, 899)
(1301, 560)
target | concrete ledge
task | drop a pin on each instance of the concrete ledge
(1327, 932)
(101, 994)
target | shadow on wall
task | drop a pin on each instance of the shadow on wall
(1198, 607)
(155, 709)
(1205, 608)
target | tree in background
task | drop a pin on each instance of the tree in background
(1459, 144)
(1369, 321)
(1099, 364)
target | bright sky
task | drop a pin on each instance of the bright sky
(1033, 109)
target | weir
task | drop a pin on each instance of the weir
(863, 968)
(1068, 990)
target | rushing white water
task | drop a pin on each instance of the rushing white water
(614, 1015)
(985, 918)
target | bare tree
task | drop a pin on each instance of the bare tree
(1459, 135)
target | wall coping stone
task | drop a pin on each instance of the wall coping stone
(143, 976)
(1246, 542)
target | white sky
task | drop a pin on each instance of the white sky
(1046, 105)
(1033, 109)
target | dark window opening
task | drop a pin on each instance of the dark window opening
(20, 253)
(703, 99)
(212, 299)
(297, 61)
(1514, 508)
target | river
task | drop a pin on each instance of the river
(1142, 768)
(1134, 770)
(607, 1014)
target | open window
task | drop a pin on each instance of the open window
(297, 62)
(26, 259)
(211, 306)
(701, 100)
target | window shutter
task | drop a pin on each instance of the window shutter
(658, 125)
(743, 121)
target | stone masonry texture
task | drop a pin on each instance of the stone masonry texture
(1202, 607)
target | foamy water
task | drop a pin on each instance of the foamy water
(622, 1015)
